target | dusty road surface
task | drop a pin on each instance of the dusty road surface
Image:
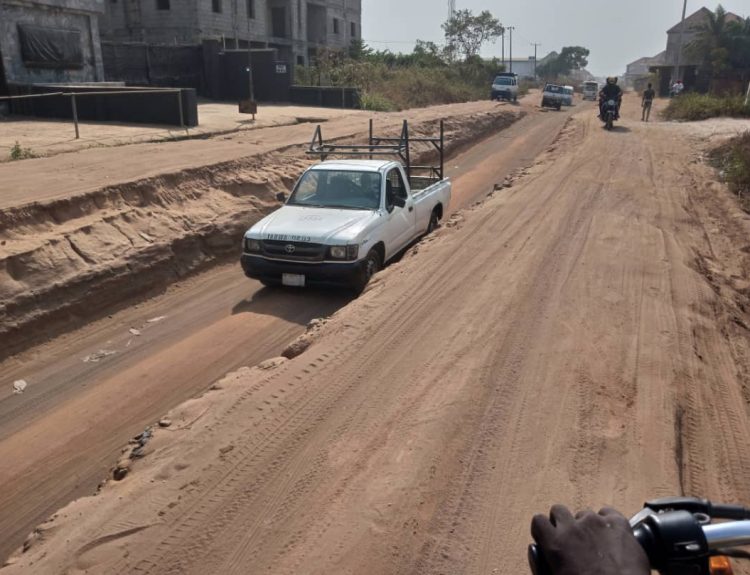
(579, 337)
(52, 137)
(62, 435)
(85, 233)
(68, 175)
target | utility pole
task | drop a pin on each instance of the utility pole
(682, 38)
(536, 45)
(502, 37)
(510, 46)
(252, 105)
(236, 30)
(451, 9)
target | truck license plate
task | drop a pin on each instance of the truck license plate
(293, 280)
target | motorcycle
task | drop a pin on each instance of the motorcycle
(680, 536)
(609, 113)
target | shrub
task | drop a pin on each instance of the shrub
(392, 82)
(19, 153)
(733, 159)
(695, 107)
(376, 103)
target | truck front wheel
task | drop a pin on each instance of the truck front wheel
(372, 265)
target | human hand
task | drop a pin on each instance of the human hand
(589, 543)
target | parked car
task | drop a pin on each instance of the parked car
(505, 87)
(345, 219)
(568, 95)
(552, 97)
(590, 91)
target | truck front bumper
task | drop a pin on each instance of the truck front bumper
(339, 274)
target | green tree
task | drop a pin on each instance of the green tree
(428, 54)
(712, 46)
(358, 50)
(465, 32)
(739, 58)
(569, 59)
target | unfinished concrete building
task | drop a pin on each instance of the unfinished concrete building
(295, 28)
(45, 41)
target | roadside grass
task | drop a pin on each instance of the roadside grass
(404, 88)
(732, 159)
(696, 107)
(387, 87)
(19, 153)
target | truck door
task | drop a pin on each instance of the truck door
(401, 221)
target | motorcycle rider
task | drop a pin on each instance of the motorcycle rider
(611, 91)
(589, 543)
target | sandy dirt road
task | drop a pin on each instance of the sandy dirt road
(63, 176)
(580, 337)
(63, 434)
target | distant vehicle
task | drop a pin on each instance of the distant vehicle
(568, 94)
(552, 97)
(346, 219)
(505, 87)
(590, 91)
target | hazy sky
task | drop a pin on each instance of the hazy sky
(617, 32)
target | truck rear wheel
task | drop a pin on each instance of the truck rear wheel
(434, 222)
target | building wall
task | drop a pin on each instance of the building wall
(639, 68)
(345, 12)
(192, 21)
(673, 47)
(523, 67)
(185, 22)
(80, 15)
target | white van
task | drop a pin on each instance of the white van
(568, 93)
(590, 91)
(505, 87)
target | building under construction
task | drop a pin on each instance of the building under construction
(296, 29)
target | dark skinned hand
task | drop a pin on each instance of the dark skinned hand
(589, 543)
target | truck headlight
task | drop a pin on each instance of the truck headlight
(346, 253)
(252, 246)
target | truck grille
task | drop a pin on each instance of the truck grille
(294, 251)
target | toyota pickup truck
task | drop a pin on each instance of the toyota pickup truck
(345, 219)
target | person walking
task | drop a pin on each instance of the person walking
(648, 99)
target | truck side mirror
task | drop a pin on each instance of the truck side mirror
(281, 197)
(399, 202)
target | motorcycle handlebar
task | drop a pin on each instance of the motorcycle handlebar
(730, 534)
(672, 538)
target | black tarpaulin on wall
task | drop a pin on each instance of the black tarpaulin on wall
(50, 47)
(125, 63)
(139, 64)
(152, 107)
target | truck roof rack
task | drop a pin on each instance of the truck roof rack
(383, 146)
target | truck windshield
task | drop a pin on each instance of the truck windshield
(347, 190)
(504, 81)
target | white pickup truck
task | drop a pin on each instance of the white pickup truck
(344, 220)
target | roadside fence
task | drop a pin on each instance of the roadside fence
(74, 96)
